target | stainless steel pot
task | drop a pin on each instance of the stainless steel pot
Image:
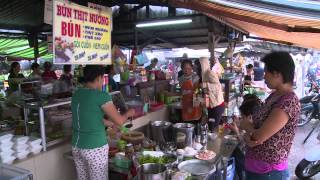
(152, 171)
(199, 169)
(184, 130)
(161, 131)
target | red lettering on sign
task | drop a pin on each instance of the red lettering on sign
(58, 10)
(78, 30)
(64, 11)
(70, 29)
(63, 28)
(80, 15)
(94, 18)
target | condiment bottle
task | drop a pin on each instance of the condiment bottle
(129, 150)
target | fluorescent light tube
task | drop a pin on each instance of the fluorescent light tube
(11, 31)
(163, 23)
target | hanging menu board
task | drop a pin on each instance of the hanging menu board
(81, 35)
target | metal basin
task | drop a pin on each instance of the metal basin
(197, 167)
(152, 171)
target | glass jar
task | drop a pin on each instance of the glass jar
(129, 150)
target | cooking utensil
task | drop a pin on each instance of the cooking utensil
(152, 171)
(184, 128)
(168, 147)
(196, 167)
(161, 131)
(130, 124)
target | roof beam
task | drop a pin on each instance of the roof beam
(221, 20)
(271, 40)
(191, 36)
(147, 42)
(155, 35)
(130, 32)
(125, 14)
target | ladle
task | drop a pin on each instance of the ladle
(130, 124)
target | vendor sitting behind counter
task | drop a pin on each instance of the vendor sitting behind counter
(153, 64)
(15, 77)
(89, 142)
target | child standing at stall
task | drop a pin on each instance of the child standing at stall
(250, 104)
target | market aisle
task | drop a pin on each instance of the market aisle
(298, 150)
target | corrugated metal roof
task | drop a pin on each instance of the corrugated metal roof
(297, 31)
(249, 16)
(310, 40)
(19, 49)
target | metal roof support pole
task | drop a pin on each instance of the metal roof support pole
(172, 12)
(136, 40)
(147, 11)
(36, 48)
(33, 42)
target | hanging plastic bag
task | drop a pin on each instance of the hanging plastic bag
(141, 59)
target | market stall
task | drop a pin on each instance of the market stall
(214, 156)
(36, 124)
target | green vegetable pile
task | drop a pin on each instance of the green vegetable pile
(159, 160)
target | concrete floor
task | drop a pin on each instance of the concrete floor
(298, 150)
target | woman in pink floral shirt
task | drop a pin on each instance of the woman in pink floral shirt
(270, 131)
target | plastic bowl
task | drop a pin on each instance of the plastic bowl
(8, 160)
(35, 149)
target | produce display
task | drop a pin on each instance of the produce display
(206, 155)
(160, 160)
(121, 145)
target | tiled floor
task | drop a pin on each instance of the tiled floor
(298, 150)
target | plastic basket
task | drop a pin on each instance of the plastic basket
(122, 163)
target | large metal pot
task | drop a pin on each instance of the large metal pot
(152, 171)
(175, 112)
(184, 130)
(161, 131)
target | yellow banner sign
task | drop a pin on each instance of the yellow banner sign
(81, 35)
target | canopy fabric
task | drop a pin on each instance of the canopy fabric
(298, 30)
(18, 49)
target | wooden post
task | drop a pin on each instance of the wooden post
(232, 46)
(213, 40)
(212, 43)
